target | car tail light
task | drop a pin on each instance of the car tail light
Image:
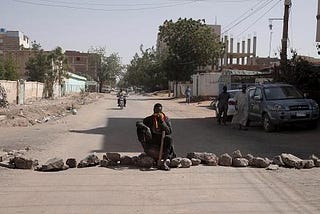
(232, 102)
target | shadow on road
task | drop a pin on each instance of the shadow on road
(204, 135)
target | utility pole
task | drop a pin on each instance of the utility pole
(287, 5)
(318, 23)
(318, 28)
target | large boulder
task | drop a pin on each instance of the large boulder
(21, 162)
(126, 161)
(278, 160)
(145, 161)
(185, 163)
(225, 160)
(236, 154)
(71, 162)
(112, 156)
(308, 164)
(292, 161)
(260, 162)
(240, 162)
(175, 162)
(205, 157)
(90, 160)
(195, 161)
(250, 158)
(53, 164)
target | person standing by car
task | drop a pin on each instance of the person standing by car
(188, 95)
(223, 105)
(241, 116)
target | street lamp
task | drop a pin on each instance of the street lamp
(270, 27)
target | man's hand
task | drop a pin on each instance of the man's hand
(160, 118)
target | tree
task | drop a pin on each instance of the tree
(8, 68)
(38, 66)
(188, 44)
(300, 73)
(49, 68)
(108, 68)
(146, 71)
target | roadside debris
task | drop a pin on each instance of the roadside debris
(44, 110)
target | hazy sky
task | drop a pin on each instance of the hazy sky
(123, 25)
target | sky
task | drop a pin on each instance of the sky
(121, 26)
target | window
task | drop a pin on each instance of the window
(1, 40)
(77, 58)
(282, 93)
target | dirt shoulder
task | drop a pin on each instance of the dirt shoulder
(41, 111)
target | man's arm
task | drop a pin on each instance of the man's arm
(165, 124)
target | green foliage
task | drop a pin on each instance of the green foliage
(188, 44)
(145, 71)
(38, 66)
(49, 68)
(8, 69)
(108, 68)
(299, 72)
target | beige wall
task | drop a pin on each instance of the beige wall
(33, 90)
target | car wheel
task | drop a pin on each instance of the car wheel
(267, 124)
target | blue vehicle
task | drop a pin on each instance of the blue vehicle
(276, 104)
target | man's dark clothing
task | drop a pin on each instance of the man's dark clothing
(223, 106)
(151, 144)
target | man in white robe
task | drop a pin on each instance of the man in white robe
(241, 116)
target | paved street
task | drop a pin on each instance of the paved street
(102, 127)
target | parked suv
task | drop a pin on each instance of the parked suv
(276, 104)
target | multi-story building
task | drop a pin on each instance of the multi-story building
(81, 64)
(13, 40)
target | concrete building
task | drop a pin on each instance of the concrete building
(80, 64)
(13, 40)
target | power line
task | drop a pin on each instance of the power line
(241, 20)
(260, 17)
(102, 9)
(103, 4)
(243, 14)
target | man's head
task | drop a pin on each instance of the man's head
(224, 88)
(157, 108)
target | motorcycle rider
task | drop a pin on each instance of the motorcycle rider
(122, 93)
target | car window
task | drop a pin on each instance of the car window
(282, 92)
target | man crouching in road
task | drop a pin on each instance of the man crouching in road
(151, 131)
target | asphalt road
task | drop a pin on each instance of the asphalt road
(102, 127)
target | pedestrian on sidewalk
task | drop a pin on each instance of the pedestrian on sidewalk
(188, 95)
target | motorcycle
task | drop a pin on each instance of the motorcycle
(121, 102)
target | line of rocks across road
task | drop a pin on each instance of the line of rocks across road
(19, 160)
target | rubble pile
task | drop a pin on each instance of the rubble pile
(18, 159)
